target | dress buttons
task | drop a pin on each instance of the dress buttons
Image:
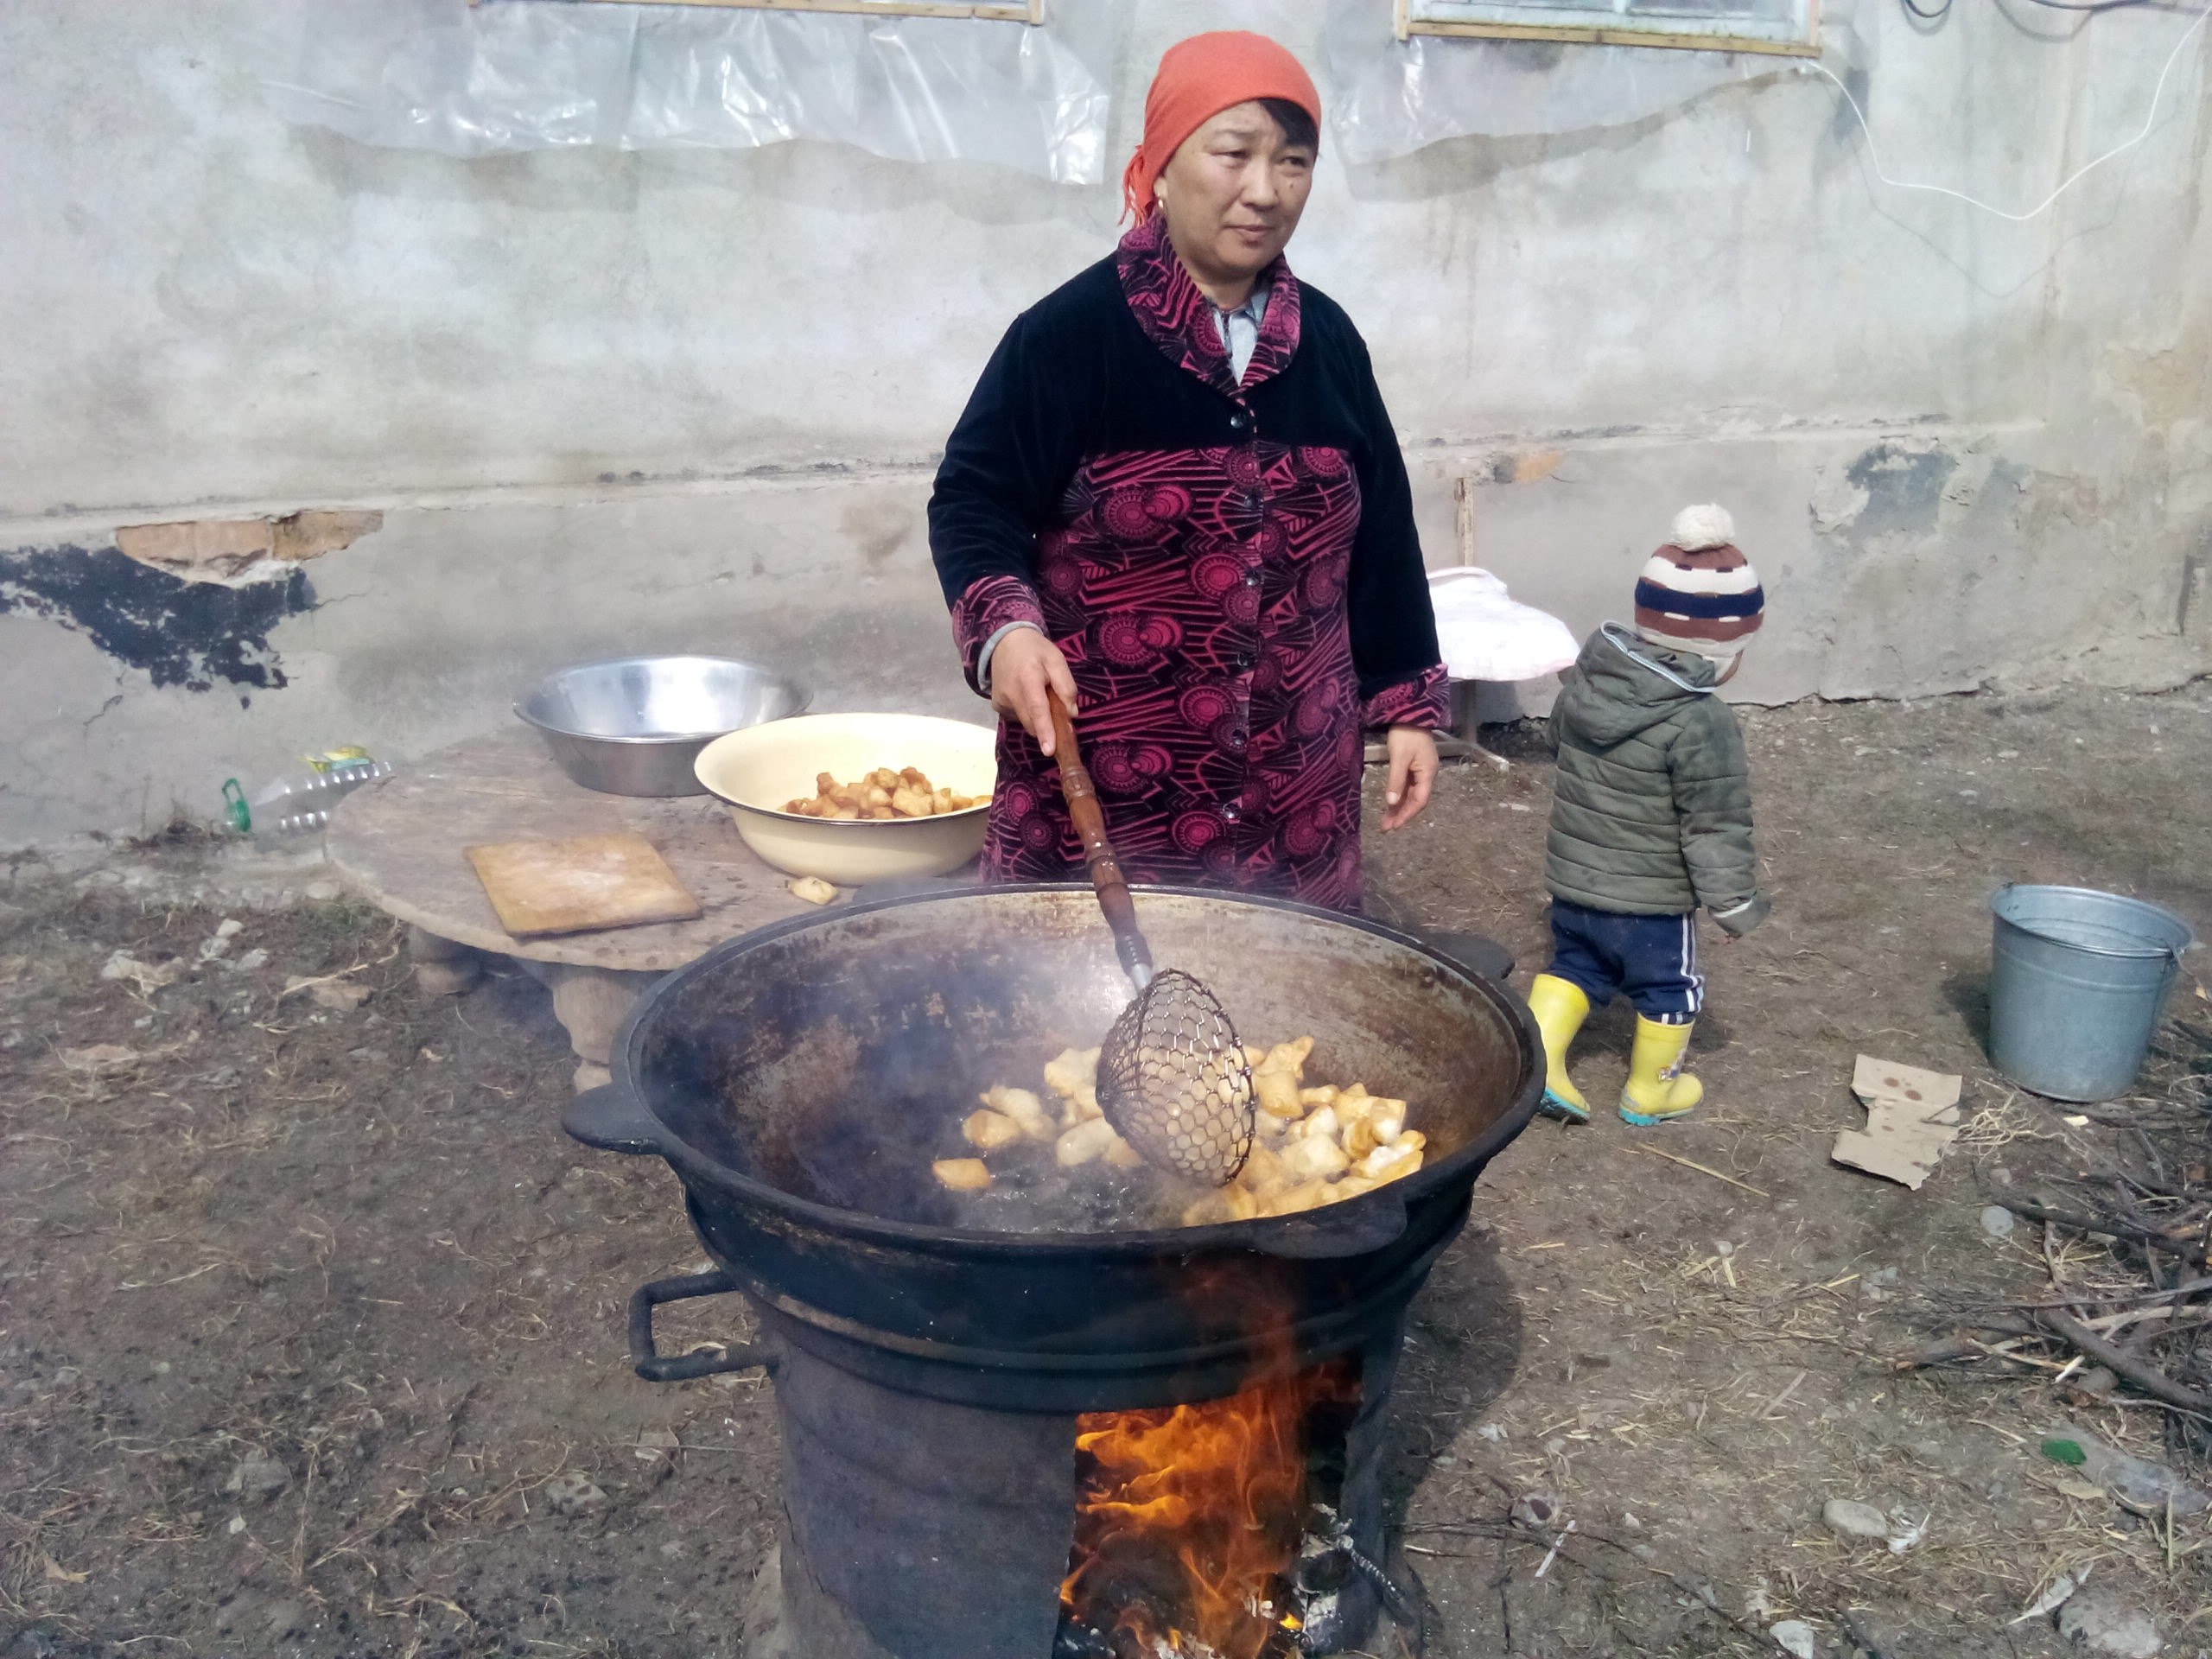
(1256, 499)
(1243, 664)
(1241, 421)
(1251, 578)
(1231, 813)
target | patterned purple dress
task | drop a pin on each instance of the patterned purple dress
(1231, 570)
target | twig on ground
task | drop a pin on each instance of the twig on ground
(2051, 1324)
(2121, 1363)
(293, 985)
(1653, 1152)
(2104, 1226)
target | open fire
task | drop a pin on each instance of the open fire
(1191, 1518)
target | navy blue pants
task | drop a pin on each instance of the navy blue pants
(1650, 960)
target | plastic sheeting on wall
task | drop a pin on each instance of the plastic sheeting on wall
(1393, 97)
(538, 74)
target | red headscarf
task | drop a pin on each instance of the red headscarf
(1198, 79)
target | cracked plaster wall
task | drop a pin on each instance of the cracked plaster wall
(613, 403)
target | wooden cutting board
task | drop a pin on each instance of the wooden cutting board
(576, 886)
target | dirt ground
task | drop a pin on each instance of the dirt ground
(311, 1320)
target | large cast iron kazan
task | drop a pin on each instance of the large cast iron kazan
(800, 1080)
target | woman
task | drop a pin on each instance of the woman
(1175, 498)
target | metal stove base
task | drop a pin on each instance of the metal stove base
(770, 1625)
(919, 1528)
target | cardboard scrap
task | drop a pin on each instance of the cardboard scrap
(1912, 1117)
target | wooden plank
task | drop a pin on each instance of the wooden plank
(1008, 11)
(582, 885)
(1582, 35)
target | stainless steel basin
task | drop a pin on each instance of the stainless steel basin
(634, 726)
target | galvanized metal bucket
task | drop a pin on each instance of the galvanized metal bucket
(2078, 980)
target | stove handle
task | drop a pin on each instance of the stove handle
(655, 1367)
(1484, 958)
(609, 1118)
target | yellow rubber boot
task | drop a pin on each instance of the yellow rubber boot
(1658, 1088)
(1561, 1007)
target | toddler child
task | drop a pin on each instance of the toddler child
(1651, 818)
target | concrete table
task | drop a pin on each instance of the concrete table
(397, 842)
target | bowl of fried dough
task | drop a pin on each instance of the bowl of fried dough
(859, 798)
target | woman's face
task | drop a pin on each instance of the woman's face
(1233, 194)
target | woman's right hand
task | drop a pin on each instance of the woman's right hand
(1023, 666)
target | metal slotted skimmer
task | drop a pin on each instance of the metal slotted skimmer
(1174, 1079)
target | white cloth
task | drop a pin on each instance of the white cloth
(1240, 329)
(1486, 635)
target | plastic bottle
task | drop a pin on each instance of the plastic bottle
(299, 803)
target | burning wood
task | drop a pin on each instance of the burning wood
(1190, 1519)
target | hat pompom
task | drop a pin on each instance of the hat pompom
(1700, 527)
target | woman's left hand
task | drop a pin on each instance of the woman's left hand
(1413, 775)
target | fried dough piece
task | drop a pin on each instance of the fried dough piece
(1024, 1108)
(1276, 1078)
(1087, 1141)
(1389, 1163)
(1263, 1174)
(990, 1130)
(1070, 1069)
(1080, 1107)
(1223, 1204)
(1277, 1095)
(1309, 1195)
(881, 794)
(961, 1174)
(1314, 1157)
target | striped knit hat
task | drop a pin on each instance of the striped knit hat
(1698, 592)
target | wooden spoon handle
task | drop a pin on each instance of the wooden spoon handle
(1089, 819)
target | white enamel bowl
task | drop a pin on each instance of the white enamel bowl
(759, 769)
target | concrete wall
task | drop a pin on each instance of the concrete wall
(610, 402)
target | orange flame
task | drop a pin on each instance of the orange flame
(1193, 1514)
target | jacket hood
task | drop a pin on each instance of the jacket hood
(1622, 684)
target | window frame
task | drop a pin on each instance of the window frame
(1408, 23)
(1009, 11)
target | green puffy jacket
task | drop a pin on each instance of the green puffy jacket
(1651, 812)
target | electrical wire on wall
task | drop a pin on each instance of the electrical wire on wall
(2150, 116)
(1940, 12)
